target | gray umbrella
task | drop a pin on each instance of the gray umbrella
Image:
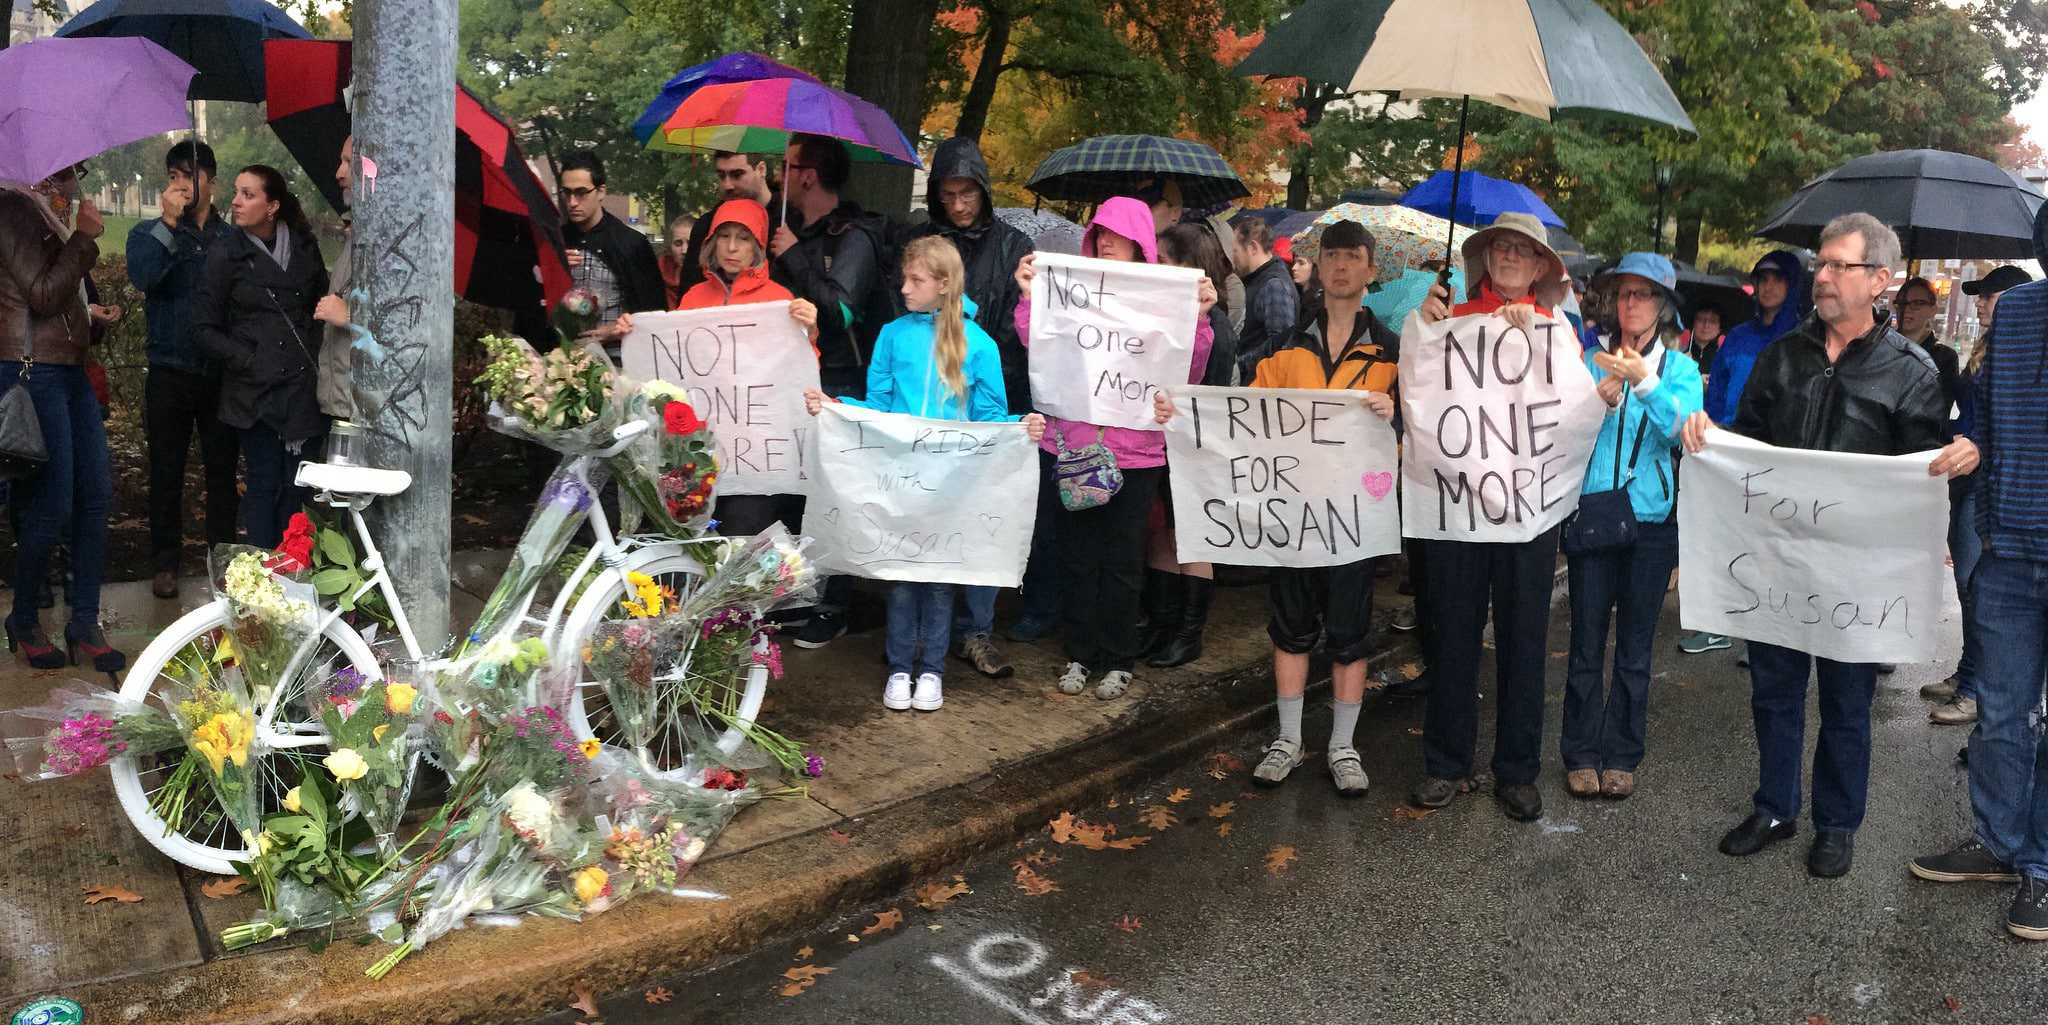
(1048, 232)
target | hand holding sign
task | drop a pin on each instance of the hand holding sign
(1107, 334)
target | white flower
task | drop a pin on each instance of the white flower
(531, 814)
(693, 852)
(659, 390)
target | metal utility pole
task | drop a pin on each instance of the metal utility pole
(403, 284)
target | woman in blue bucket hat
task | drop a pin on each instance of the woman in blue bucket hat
(1623, 543)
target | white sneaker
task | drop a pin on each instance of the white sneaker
(930, 695)
(896, 696)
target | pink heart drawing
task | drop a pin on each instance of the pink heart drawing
(1377, 484)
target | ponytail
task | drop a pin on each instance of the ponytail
(941, 260)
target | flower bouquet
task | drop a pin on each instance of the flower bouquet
(272, 611)
(93, 726)
(216, 713)
(565, 400)
(669, 473)
(372, 724)
(623, 656)
(304, 866)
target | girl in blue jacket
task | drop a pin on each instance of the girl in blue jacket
(934, 361)
(1651, 388)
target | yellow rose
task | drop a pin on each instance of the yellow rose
(398, 698)
(224, 738)
(377, 735)
(591, 883)
(291, 800)
(346, 764)
(591, 747)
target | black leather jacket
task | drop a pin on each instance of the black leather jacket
(1883, 397)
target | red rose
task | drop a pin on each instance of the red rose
(679, 418)
(297, 546)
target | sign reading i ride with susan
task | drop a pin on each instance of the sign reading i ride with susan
(1107, 335)
(1501, 422)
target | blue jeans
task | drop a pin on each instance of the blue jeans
(1605, 728)
(980, 620)
(920, 628)
(2008, 762)
(71, 496)
(272, 498)
(1965, 547)
(1841, 761)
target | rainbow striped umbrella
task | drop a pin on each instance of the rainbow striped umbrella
(760, 116)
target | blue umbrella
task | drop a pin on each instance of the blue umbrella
(221, 38)
(1480, 199)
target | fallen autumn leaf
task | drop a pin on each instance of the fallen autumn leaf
(1278, 858)
(96, 894)
(659, 995)
(802, 977)
(221, 889)
(585, 1001)
(1158, 817)
(884, 922)
(933, 896)
(1179, 794)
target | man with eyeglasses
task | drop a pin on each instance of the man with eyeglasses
(606, 255)
(740, 176)
(1843, 381)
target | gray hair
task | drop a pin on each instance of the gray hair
(1880, 243)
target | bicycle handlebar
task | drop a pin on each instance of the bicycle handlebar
(622, 436)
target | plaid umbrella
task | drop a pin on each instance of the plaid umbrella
(1096, 169)
(1403, 237)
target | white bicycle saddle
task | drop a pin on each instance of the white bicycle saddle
(352, 480)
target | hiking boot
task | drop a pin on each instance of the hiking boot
(824, 628)
(1347, 770)
(1404, 618)
(1942, 692)
(1755, 833)
(1832, 854)
(1114, 684)
(1582, 782)
(1616, 785)
(2028, 918)
(1959, 711)
(1282, 755)
(1435, 792)
(896, 693)
(987, 659)
(1699, 642)
(1522, 801)
(1969, 863)
(1075, 679)
(930, 694)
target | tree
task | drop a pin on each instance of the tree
(1926, 76)
(888, 52)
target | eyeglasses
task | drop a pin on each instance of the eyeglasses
(1504, 246)
(576, 193)
(1842, 266)
(1636, 295)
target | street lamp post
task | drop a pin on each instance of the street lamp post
(1663, 186)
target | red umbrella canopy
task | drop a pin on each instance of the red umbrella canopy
(508, 232)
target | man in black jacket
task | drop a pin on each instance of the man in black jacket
(606, 255)
(1843, 381)
(1272, 305)
(964, 213)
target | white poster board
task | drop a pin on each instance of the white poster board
(898, 497)
(1500, 424)
(1106, 335)
(1280, 477)
(745, 369)
(1832, 554)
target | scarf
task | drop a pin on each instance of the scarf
(279, 248)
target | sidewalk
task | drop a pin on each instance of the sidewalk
(903, 795)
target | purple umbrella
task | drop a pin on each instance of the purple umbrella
(53, 114)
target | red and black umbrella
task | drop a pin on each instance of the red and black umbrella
(509, 251)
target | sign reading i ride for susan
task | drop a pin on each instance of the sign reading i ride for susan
(1107, 335)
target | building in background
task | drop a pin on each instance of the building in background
(24, 23)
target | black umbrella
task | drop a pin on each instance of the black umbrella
(221, 38)
(1723, 292)
(1945, 206)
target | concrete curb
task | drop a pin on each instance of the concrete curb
(490, 975)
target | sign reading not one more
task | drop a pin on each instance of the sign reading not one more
(1107, 335)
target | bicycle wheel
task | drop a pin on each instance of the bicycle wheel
(202, 837)
(695, 706)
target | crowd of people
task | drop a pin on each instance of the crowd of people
(247, 350)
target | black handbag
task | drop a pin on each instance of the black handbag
(1606, 520)
(22, 452)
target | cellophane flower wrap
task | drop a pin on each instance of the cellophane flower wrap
(375, 725)
(80, 727)
(273, 613)
(216, 713)
(661, 827)
(627, 652)
(564, 505)
(670, 473)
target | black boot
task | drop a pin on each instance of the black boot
(1159, 603)
(1186, 643)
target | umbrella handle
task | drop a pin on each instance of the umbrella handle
(1443, 277)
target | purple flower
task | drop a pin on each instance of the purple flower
(814, 766)
(347, 683)
(567, 492)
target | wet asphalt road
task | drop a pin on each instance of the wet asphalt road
(1601, 912)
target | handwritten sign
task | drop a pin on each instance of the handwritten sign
(745, 369)
(1500, 425)
(896, 497)
(1832, 554)
(1106, 335)
(1281, 477)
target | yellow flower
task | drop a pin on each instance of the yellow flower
(346, 764)
(591, 747)
(398, 697)
(225, 738)
(225, 650)
(646, 603)
(591, 883)
(377, 735)
(291, 801)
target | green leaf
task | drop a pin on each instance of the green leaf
(335, 545)
(334, 580)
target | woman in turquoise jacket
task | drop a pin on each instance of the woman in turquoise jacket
(1650, 388)
(935, 362)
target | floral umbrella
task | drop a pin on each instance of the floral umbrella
(1403, 237)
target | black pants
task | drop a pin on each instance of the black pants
(1102, 552)
(176, 404)
(1462, 576)
(836, 592)
(272, 497)
(748, 515)
(1042, 574)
